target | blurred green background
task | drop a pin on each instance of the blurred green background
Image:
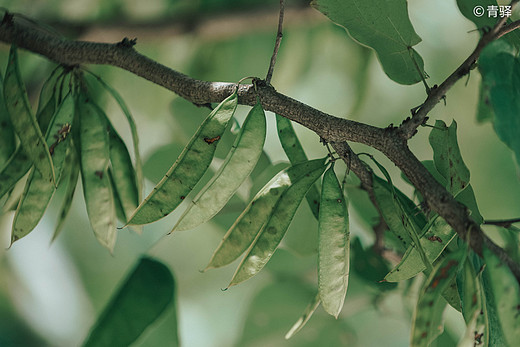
(51, 294)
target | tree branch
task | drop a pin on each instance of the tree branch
(277, 43)
(389, 141)
(419, 114)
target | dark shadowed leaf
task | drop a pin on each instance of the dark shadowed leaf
(140, 300)
(500, 69)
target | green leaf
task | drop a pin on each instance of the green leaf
(473, 307)
(434, 240)
(370, 266)
(237, 166)
(484, 108)
(482, 19)
(506, 294)
(94, 158)
(189, 167)
(294, 151)
(139, 302)
(307, 314)
(400, 213)
(427, 321)
(7, 134)
(334, 245)
(467, 8)
(500, 70)
(23, 120)
(273, 311)
(275, 227)
(247, 226)
(38, 190)
(383, 26)
(447, 157)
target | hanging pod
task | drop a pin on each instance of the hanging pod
(94, 153)
(24, 121)
(20, 163)
(189, 168)
(295, 153)
(237, 166)
(247, 226)
(275, 227)
(333, 244)
(38, 190)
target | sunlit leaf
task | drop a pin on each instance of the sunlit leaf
(383, 26)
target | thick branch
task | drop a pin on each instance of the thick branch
(389, 141)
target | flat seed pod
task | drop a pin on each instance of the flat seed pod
(123, 173)
(307, 314)
(38, 190)
(7, 134)
(274, 229)
(237, 166)
(189, 168)
(72, 180)
(135, 138)
(294, 151)
(333, 245)
(15, 168)
(247, 226)
(94, 158)
(23, 120)
(19, 163)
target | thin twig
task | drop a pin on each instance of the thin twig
(506, 223)
(409, 127)
(277, 43)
